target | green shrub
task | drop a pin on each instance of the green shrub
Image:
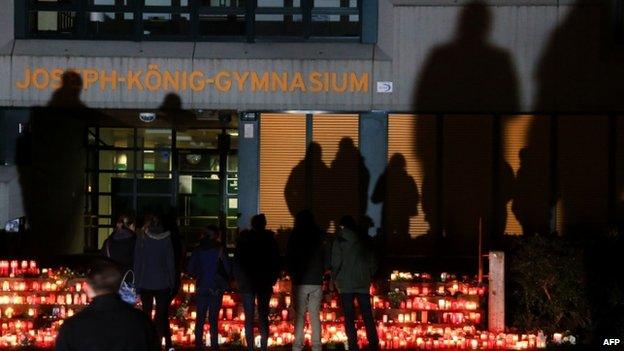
(547, 285)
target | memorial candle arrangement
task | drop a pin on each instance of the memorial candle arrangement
(34, 302)
(413, 311)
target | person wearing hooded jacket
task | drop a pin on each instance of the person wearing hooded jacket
(119, 246)
(211, 269)
(353, 264)
(154, 270)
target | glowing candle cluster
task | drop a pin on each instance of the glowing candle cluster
(421, 313)
(16, 268)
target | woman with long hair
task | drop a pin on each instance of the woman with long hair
(154, 270)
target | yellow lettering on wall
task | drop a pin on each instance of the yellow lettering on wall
(41, 78)
(297, 83)
(89, 77)
(56, 78)
(197, 81)
(315, 82)
(25, 83)
(171, 81)
(112, 80)
(259, 84)
(334, 84)
(223, 82)
(134, 78)
(153, 80)
(184, 80)
(280, 79)
(325, 81)
(241, 79)
(361, 84)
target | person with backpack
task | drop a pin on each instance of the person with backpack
(211, 269)
(154, 270)
(119, 246)
(353, 264)
(306, 262)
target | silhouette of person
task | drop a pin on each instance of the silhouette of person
(347, 183)
(54, 169)
(67, 96)
(398, 192)
(580, 70)
(469, 74)
(171, 109)
(308, 173)
(530, 207)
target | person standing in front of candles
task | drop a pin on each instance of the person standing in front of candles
(119, 246)
(107, 323)
(353, 264)
(306, 263)
(211, 269)
(256, 268)
(154, 270)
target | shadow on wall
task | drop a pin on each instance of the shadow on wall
(468, 74)
(330, 192)
(564, 161)
(51, 165)
(398, 192)
(581, 70)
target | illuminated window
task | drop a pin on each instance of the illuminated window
(237, 20)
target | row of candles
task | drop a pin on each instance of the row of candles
(408, 326)
(457, 318)
(414, 290)
(418, 302)
(421, 337)
(32, 285)
(420, 289)
(428, 337)
(422, 277)
(49, 299)
(426, 303)
(17, 268)
(33, 312)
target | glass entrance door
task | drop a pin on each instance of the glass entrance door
(190, 173)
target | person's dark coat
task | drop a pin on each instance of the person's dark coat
(210, 266)
(107, 324)
(353, 263)
(256, 265)
(154, 266)
(306, 256)
(119, 247)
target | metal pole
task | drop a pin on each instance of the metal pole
(479, 255)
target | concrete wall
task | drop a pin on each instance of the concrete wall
(427, 35)
(548, 55)
(442, 56)
(6, 24)
(536, 54)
